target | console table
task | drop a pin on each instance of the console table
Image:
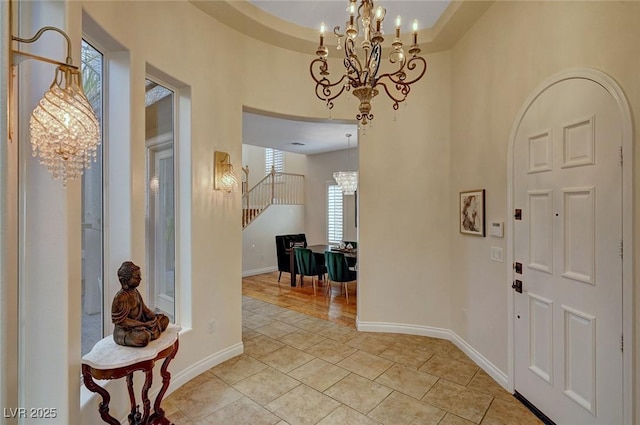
(108, 360)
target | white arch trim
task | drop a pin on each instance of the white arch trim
(612, 87)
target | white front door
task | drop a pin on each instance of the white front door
(567, 251)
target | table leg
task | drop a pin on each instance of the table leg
(146, 403)
(158, 412)
(103, 407)
(292, 267)
(134, 416)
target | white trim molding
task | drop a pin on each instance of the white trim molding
(262, 270)
(187, 374)
(402, 328)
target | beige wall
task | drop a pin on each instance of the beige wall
(403, 251)
(258, 239)
(513, 48)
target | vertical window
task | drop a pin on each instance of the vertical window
(334, 214)
(92, 210)
(273, 158)
(160, 231)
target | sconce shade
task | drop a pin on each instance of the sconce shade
(228, 181)
(347, 180)
(223, 176)
(65, 131)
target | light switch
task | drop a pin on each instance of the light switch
(496, 253)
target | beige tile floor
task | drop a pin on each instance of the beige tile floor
(301, 370)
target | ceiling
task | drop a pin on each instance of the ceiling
(312, 137)
(310, 14)
(289, 135)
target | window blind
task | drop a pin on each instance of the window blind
(275, 158)
(334, 213)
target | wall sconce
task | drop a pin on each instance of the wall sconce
(224, 177)
(65, 131)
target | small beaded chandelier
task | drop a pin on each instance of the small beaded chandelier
(65, 131)
(347, 180)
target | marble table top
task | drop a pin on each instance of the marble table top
(106, 354)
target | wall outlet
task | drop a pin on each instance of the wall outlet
(212, 326)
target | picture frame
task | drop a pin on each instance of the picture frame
(471, 213)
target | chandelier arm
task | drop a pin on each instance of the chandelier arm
(352, 63)
(326, 92)
(374, 63)
(353, 70)
(400, 76)
(324, 87)
(401, 91)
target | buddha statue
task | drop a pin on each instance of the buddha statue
(135, 324)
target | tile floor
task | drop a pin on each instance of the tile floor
(301, 370)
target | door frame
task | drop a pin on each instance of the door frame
(612, 87)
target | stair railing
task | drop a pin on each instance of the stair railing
(274, 189)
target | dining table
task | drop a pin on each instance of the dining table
(318, 251)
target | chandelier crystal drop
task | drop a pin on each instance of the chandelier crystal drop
(65, 132)
(362, 64)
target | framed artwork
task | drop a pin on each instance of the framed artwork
(471, 213)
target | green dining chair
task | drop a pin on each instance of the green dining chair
(339, 271)
(306, 262)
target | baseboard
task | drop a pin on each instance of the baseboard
(186, 375)
(263, 270)
(492, 370)
(401, 328)
(499, 376)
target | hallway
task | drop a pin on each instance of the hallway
(298, 369)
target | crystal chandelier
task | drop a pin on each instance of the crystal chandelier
(361, 72)
(347, 180)
(65, 131)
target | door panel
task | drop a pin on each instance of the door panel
(568, 320)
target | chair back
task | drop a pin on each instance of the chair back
(337, 267)
(353, 244)
(283, 243)
(306, 262)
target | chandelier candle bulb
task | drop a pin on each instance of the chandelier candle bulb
(322, 30)
(379, 17)
(415, 31)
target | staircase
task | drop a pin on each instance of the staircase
(274, 189)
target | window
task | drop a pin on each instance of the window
(92, 210)
(160, 231)
(273, 158)
(334, 214)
